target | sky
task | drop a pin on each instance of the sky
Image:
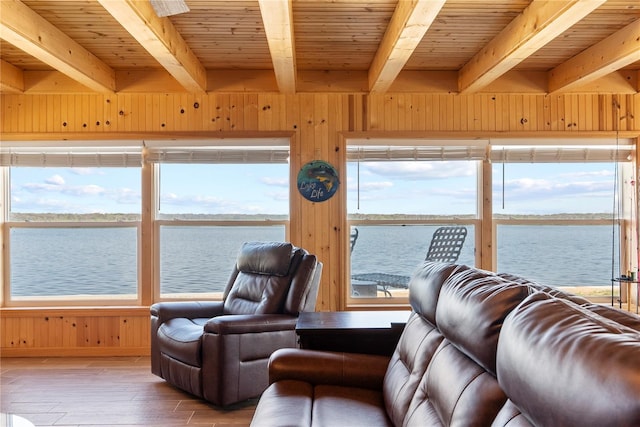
(383, 187)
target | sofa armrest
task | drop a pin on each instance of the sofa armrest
(187, 309)
(324, 367)
(250, 323)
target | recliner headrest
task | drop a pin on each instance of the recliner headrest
(272, 258)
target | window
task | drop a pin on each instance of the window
(397, 197)
(554, 212)
(211, 199)
(73, 224)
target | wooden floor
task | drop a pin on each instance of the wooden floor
(110, 391)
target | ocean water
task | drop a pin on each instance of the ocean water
(103, 261)
(555, 255)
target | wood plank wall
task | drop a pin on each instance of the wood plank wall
(317, 125)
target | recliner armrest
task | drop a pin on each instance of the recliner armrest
(324, 367)
(250, 323)
(187, 309)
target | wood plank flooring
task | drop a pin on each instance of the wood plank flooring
(109, 391)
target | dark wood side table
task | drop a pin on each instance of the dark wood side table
(369, 332)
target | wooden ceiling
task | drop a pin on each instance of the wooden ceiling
(301, 46)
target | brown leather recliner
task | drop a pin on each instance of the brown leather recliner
(218, 350)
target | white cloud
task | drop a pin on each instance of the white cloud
(415, 171)
(277, 182)
(86, 171)
(55, 180)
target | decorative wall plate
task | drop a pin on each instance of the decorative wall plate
(318, 181)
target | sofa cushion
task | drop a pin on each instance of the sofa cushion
(335, 406)
(285, 403)
(472, 307)
(455, 391)
(181, 339)
(417, 345)
(581, 368)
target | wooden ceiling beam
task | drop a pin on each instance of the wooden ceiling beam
(611, 54)
(160, 38)
(408, 25)
(31, 33)
(541, 22)
(277, 18)
(11, 78)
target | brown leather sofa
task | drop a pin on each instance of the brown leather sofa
(479, 349)
(219, 350)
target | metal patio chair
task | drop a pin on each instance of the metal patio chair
(446, 245)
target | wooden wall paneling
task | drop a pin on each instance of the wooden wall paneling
(78, 114)
(27, 123)
(417, 111)
(450, 112)
(11, 333)
(595, 112)
(182, 112)
(250, 111)
(634, 111)
(112, 338)
(434, 124)
(492, 115)
(295, 161)
(235, 112)
(544, 113)
(165, 118)
(84, 334)
(49, 126)
(311, 149)
(554, 109)
(265, 113)
(469, 113)
(83, 113)
(75, 114)
(327, 229)
(584, 122)
(25, 333)
(211, 118)
(339, 245)
(574, 113)
(315, 226)
(372, 108)
(624, 113)
(506, 100)
(406, 119)
(153, 112)
(455, 109)
(134, 113)
(316, 121)
(128, 121)
(46, 330)
(526, 118)
(38, 114)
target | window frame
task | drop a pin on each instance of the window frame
(389, 149)
(618, 151)
(69, 154)
(206, 152)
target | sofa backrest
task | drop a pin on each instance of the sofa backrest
(443, 369)
(272, 277)
(563, 365)
(487, 349)
(613, 313)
